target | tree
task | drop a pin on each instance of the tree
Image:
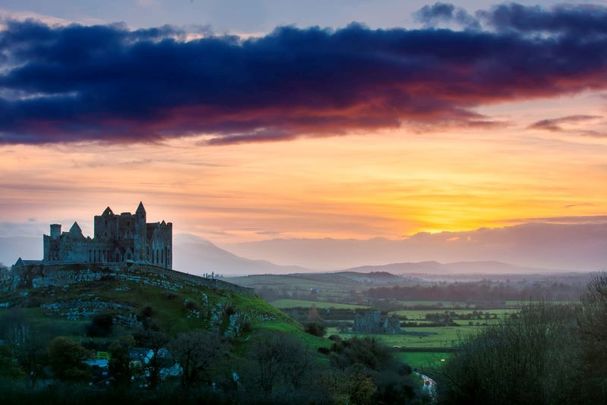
(593, 336)
(533, 359)
(279, 358)
(67, 359)
(119, 366)
(196, 352)
(153, 340)
(373, 374)
(315, 328)
(27, 348)
(9, 366)
(101, 326)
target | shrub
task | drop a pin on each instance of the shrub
(316, 329)
(66, 358)
(101, 326)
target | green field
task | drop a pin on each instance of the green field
(423, 347)
(423, 360)
(433, 337)
(437, 304)
(289, 303)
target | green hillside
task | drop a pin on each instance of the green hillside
(151, 335)
(174, 305)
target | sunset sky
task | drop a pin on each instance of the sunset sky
(381, 129)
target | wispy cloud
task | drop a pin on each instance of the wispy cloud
(570, 125)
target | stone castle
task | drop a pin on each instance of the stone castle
(118, 238)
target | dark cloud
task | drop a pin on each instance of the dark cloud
(440, 13)
(108, 83)
(567, 19)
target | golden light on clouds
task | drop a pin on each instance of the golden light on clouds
(388, 185)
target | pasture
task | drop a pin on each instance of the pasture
(425, 345)
(292, 303)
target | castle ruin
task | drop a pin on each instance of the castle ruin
(118, 238)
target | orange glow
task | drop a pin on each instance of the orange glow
(386, 184)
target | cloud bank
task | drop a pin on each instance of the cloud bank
(109, 83)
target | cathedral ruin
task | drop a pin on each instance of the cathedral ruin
(118, 238)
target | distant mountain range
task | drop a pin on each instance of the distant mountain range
(197, 256)
(436, 268)
(543, 245)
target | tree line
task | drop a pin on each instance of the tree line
(479, 291)
(549, 354)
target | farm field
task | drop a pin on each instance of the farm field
(291, 303)
(432, 337)
(424, 347)
(423, 360)
(436, 304)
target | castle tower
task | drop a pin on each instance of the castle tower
(140, 240)
(55, 231)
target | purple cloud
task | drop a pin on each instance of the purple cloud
(108, 83)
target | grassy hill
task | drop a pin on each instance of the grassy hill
(63, 300)
(224, 343)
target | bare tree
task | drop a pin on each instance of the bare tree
(153, 340)
(530, 359)
(28, 347)
(593, 333)
(196, 352)
(279, 358)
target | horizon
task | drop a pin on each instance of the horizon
(534, 247)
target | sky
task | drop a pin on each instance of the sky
(249, 120)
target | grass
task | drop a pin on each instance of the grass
(45, 326)
(169, 312)
(290, 303)
(423, 360)
(433, 337)
(291, 328)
